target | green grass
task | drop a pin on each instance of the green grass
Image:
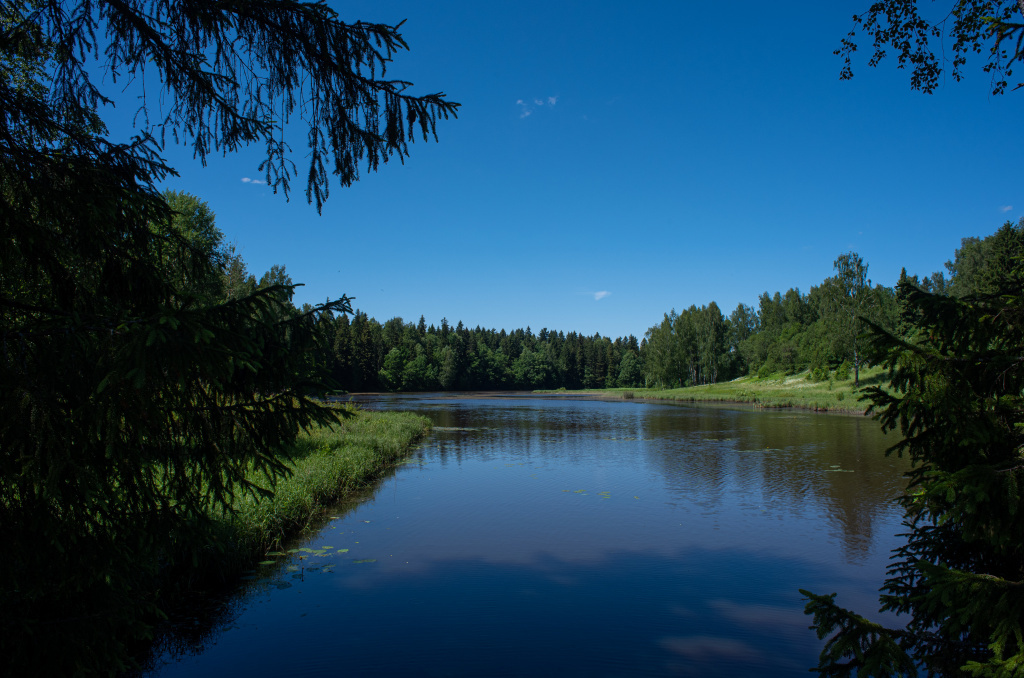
(775, 391)
(326, 464)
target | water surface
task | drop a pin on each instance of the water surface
(554, 536)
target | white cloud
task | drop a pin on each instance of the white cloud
(247, 180)
(598, 296)
(526, 108)
(1006, 208)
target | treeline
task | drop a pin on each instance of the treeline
(820, 331)
(403, 356)
(787, 332)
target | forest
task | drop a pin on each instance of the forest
(789, 332)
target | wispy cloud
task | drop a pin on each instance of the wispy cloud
(247, 180)
(598, 296)
(1006, 208)
(526, 108)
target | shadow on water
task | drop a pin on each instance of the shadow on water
(193, 623)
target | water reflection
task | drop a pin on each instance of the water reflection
(785, 464)
(560, 537)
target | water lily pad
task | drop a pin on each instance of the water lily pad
(268, 562)
(365, 560)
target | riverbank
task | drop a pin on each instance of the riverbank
(327, 463)
(776, 391)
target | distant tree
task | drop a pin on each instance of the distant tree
(390, 374)
(276, 276)
(662, 367)
(238, 282)
(631, 370)
(449, 372)
(418, 374)
(530, 370)
(742, 323)
(711, 346)
(849, 299)
(192, 225)
(980, 263)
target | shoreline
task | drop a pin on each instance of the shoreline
(328, 464)
(795, 391)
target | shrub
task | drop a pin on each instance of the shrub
(819, 373)
(843, 371)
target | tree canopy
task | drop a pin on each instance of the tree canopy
(229, 74)
(991, 28)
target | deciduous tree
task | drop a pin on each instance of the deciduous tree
(991, 28)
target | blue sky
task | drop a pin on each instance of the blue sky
(614, 160)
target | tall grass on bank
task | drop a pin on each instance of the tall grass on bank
(326, 464)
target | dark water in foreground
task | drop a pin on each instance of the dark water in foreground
(558, 537)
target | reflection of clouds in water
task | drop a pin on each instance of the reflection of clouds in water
(782, 620)
(710, 648)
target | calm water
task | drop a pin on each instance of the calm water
(532, 536)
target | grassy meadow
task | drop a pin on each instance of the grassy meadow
(795, 390)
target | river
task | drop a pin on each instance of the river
(557, 536)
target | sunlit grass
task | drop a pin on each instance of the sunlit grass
(326, 464)
(794, 390)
